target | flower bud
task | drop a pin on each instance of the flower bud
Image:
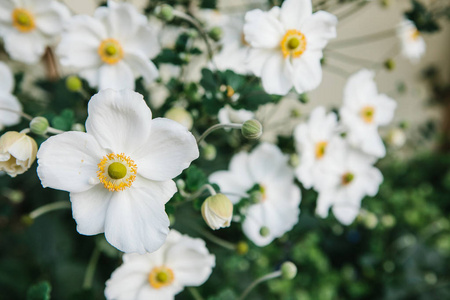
(242, 248)
(216, 33)
(209, 152)
(217, 211)
(17, 153)
(78, 127)
(389, 64)
(396, 137)
(39, 125)
(288, 270)
(180, 115)
(165, 12)
(181, 185)
(251, 129)
(73, 83)
(264, 231)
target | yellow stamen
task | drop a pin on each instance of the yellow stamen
(160, 277)
(116, 172)
(320, 149)
(110, 51)
(23, 20)
(368, 113)
(415, 34)
(293, 43)
(230, 91)
(347, 178)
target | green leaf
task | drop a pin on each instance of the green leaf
(39, 291)
(195, 178)
(208, 82)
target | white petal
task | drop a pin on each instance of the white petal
(119, 120)
(277, 75)
(123, 20)
(265, 162)
(144, 40)
(91, 75)
(117, 76)
(169, 149)
(257, 58)
(142, 66)
(25, 47)
(136, 220)
(89, 209)
(6, 117)
(37, 6)
(345, 212)
(307, 73)
(385, 107)
(166, 293)
(51, 20)
(295, 12)
(262, 30)
(68, 161)
(233, 185)
(127, 281)
(7, 82)
(6, 7)
(319, 29)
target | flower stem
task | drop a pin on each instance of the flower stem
(48, 208)
(216, 240)
(218, 126)
(363, 39)
(190, 197)
(50, 63)
(258, 281)
(195, 294)
(90, 271)
(22, 114)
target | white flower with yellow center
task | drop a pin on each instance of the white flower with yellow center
(311, 141)
(29, 26)
(7, 99)
(363, 111)
(412, 42)
(111, 49)
(119, 172)
(181, 261)
(275, 208)
(286, 45)
(349, 176)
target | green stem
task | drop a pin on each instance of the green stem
(90, 271)
(195, 294)
(48, 208)
(349, 59)
(218, 126)
(336, 70)
(190, 197)
(363, 39)
(22, 114)
(216, 240)
(258, 281)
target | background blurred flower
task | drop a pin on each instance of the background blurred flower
(412, 42)
(7, 99)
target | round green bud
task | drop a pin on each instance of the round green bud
(15, 196)
(209, 152)
(303, 98)
(165, 12)
(27, 220)
(242, 248)
(389, 64)
(294, 160)
(251, 129)
(73, 83)
(288, 270)
(39, 125)
(181, 185)
(78, 127)
(180, 115)
(216, 33)
(264, 231)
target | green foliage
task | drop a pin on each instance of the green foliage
(422, 18)
(39, 291)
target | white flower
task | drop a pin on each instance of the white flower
(396, 137)
(311, 141)
(17, 153)
(286, 45)
(349, 176)
(363, 111)
(119, 172)
(229, 115)
(111, 49)
(412, 43)
(28, 27)
(7, 99)
(181, 261)
(276, 208)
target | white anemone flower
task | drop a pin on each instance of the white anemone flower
(286, 45)
(311, 141)
(412, 42)
(111, 49)
(363, 111)
(29, 26)
(349, 176)
(7, 99)
(119, 172)
(181, 261)
(276, 208)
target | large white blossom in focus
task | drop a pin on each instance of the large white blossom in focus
(349, 176)
(29, 26)
(286, 45)
(364, 110)
(412, 43)
(311, 141)
(277, 209)
(181, 261)
(111, 49)
(7, 99)
(119, 172)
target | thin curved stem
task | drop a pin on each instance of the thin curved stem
(195, 294)
(258, 281)
(218, 126)
(363, 39)
(90, 271)
(190, 197)
(48, 208)
(22, 114)
(216, 240)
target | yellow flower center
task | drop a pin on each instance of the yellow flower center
(347, 178)
(415, 34)
(367, 113)
(320, 149)
(23, 20)
(110, 51)
(293, 43)
(116, 172)
(160, 277)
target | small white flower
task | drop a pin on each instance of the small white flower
(349, 176)
(7, 99)
(412, 43)
(277, 206)
(286, 45)
(396, 137)
(363, 111)
(111, 49)
(229, 115)
(119, 172)
(181, 261)
(17, 153)
(311, 141)
(28, 27)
